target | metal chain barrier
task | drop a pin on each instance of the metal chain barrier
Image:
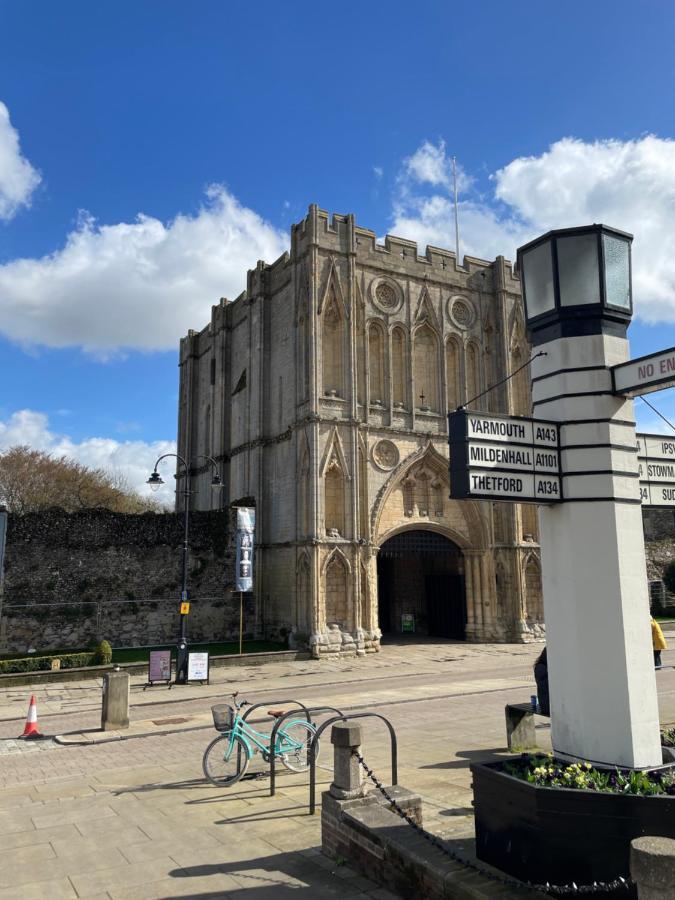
(619, 884)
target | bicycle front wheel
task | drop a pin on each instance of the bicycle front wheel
(294, 742)
(225, 760)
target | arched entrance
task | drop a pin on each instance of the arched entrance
(420, 574)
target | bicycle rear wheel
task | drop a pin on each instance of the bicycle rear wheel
(294, 741)
(225, 760)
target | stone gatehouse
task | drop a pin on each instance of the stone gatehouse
(323, 390)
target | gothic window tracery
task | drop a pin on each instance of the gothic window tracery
(473, 375)
(337, 608)
(398, 361)
(453, 373)
(333, 348)
(334, 499)
(376, 363)
(426, 369)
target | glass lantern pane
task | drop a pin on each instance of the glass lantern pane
(538, 280)
(578, 271)
(617, 271)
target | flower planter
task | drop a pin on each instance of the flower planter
(560, 835)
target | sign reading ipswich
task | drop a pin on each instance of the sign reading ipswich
(509, 458)
(656, 462)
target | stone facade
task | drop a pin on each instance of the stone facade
(323, 391)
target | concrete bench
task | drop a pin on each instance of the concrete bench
(520, 726)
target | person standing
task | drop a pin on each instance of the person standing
(658, 642)
(541, 678)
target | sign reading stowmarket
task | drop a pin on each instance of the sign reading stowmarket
(645, 374)
(656, 465)
(507, 458)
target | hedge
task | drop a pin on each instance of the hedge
(102, 655)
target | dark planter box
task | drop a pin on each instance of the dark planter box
(560, 835)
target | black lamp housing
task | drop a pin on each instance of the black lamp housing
(577, 281)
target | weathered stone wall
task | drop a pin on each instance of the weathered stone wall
(73, 578)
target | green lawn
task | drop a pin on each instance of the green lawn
(140, 654)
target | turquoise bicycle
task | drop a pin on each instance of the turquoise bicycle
(227, 757)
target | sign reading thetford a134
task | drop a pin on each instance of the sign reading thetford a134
(656, 462)
(645, 374)
(511, 458)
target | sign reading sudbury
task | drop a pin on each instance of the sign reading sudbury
(656, 465)
(510, 458)
(243, 576)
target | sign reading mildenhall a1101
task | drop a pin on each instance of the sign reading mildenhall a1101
(509, 458)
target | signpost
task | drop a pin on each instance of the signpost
(645, 374)
(509, 458)
(656, 465)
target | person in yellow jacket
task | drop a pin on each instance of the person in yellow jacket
(658, 642)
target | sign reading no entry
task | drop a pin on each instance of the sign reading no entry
(508, 458)
(645, 374)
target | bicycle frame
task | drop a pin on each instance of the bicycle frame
(257, 740)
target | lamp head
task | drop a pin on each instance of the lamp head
(577, 281)
(155, 481)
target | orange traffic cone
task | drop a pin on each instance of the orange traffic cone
(31, 729)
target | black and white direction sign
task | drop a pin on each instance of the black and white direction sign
(645, 374)
(509, 458)
(656, 463)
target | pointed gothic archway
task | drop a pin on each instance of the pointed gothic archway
(420, 573)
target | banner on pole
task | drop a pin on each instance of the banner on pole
(243, 575)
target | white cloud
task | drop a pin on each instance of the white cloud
(133, 459)
(135, 285)
(626, 184)
(18, 179)
(378, 172)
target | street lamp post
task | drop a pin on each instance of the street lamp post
(155, 481)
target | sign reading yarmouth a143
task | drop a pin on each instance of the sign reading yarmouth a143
(511, 458)
(656, 463)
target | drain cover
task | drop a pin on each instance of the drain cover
(177, 721)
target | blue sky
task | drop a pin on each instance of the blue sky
(151, 152)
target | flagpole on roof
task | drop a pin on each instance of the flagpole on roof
(454, 184)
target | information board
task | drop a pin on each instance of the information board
(407, 623)
(656, 465)
(198, 667)
(159, 668)
(509, 458)
(243, 575)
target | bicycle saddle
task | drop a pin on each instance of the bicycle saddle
(277, 713)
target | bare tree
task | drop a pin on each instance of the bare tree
(33, 479)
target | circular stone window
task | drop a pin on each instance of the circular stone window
(385, 455)
(386, 295)
(461, 312)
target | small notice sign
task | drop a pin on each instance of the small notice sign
(408, 623)
(159, 668)
(184, 609)
(198, 667)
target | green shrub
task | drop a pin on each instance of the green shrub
(103, 655)
(44, 663)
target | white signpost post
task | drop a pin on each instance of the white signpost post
(578, 303)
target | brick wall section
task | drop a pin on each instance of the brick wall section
(380, 845)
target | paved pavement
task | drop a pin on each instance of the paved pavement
(134, 818)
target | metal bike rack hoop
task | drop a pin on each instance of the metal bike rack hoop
(345, 718)
(277, 726)
(269, 703)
